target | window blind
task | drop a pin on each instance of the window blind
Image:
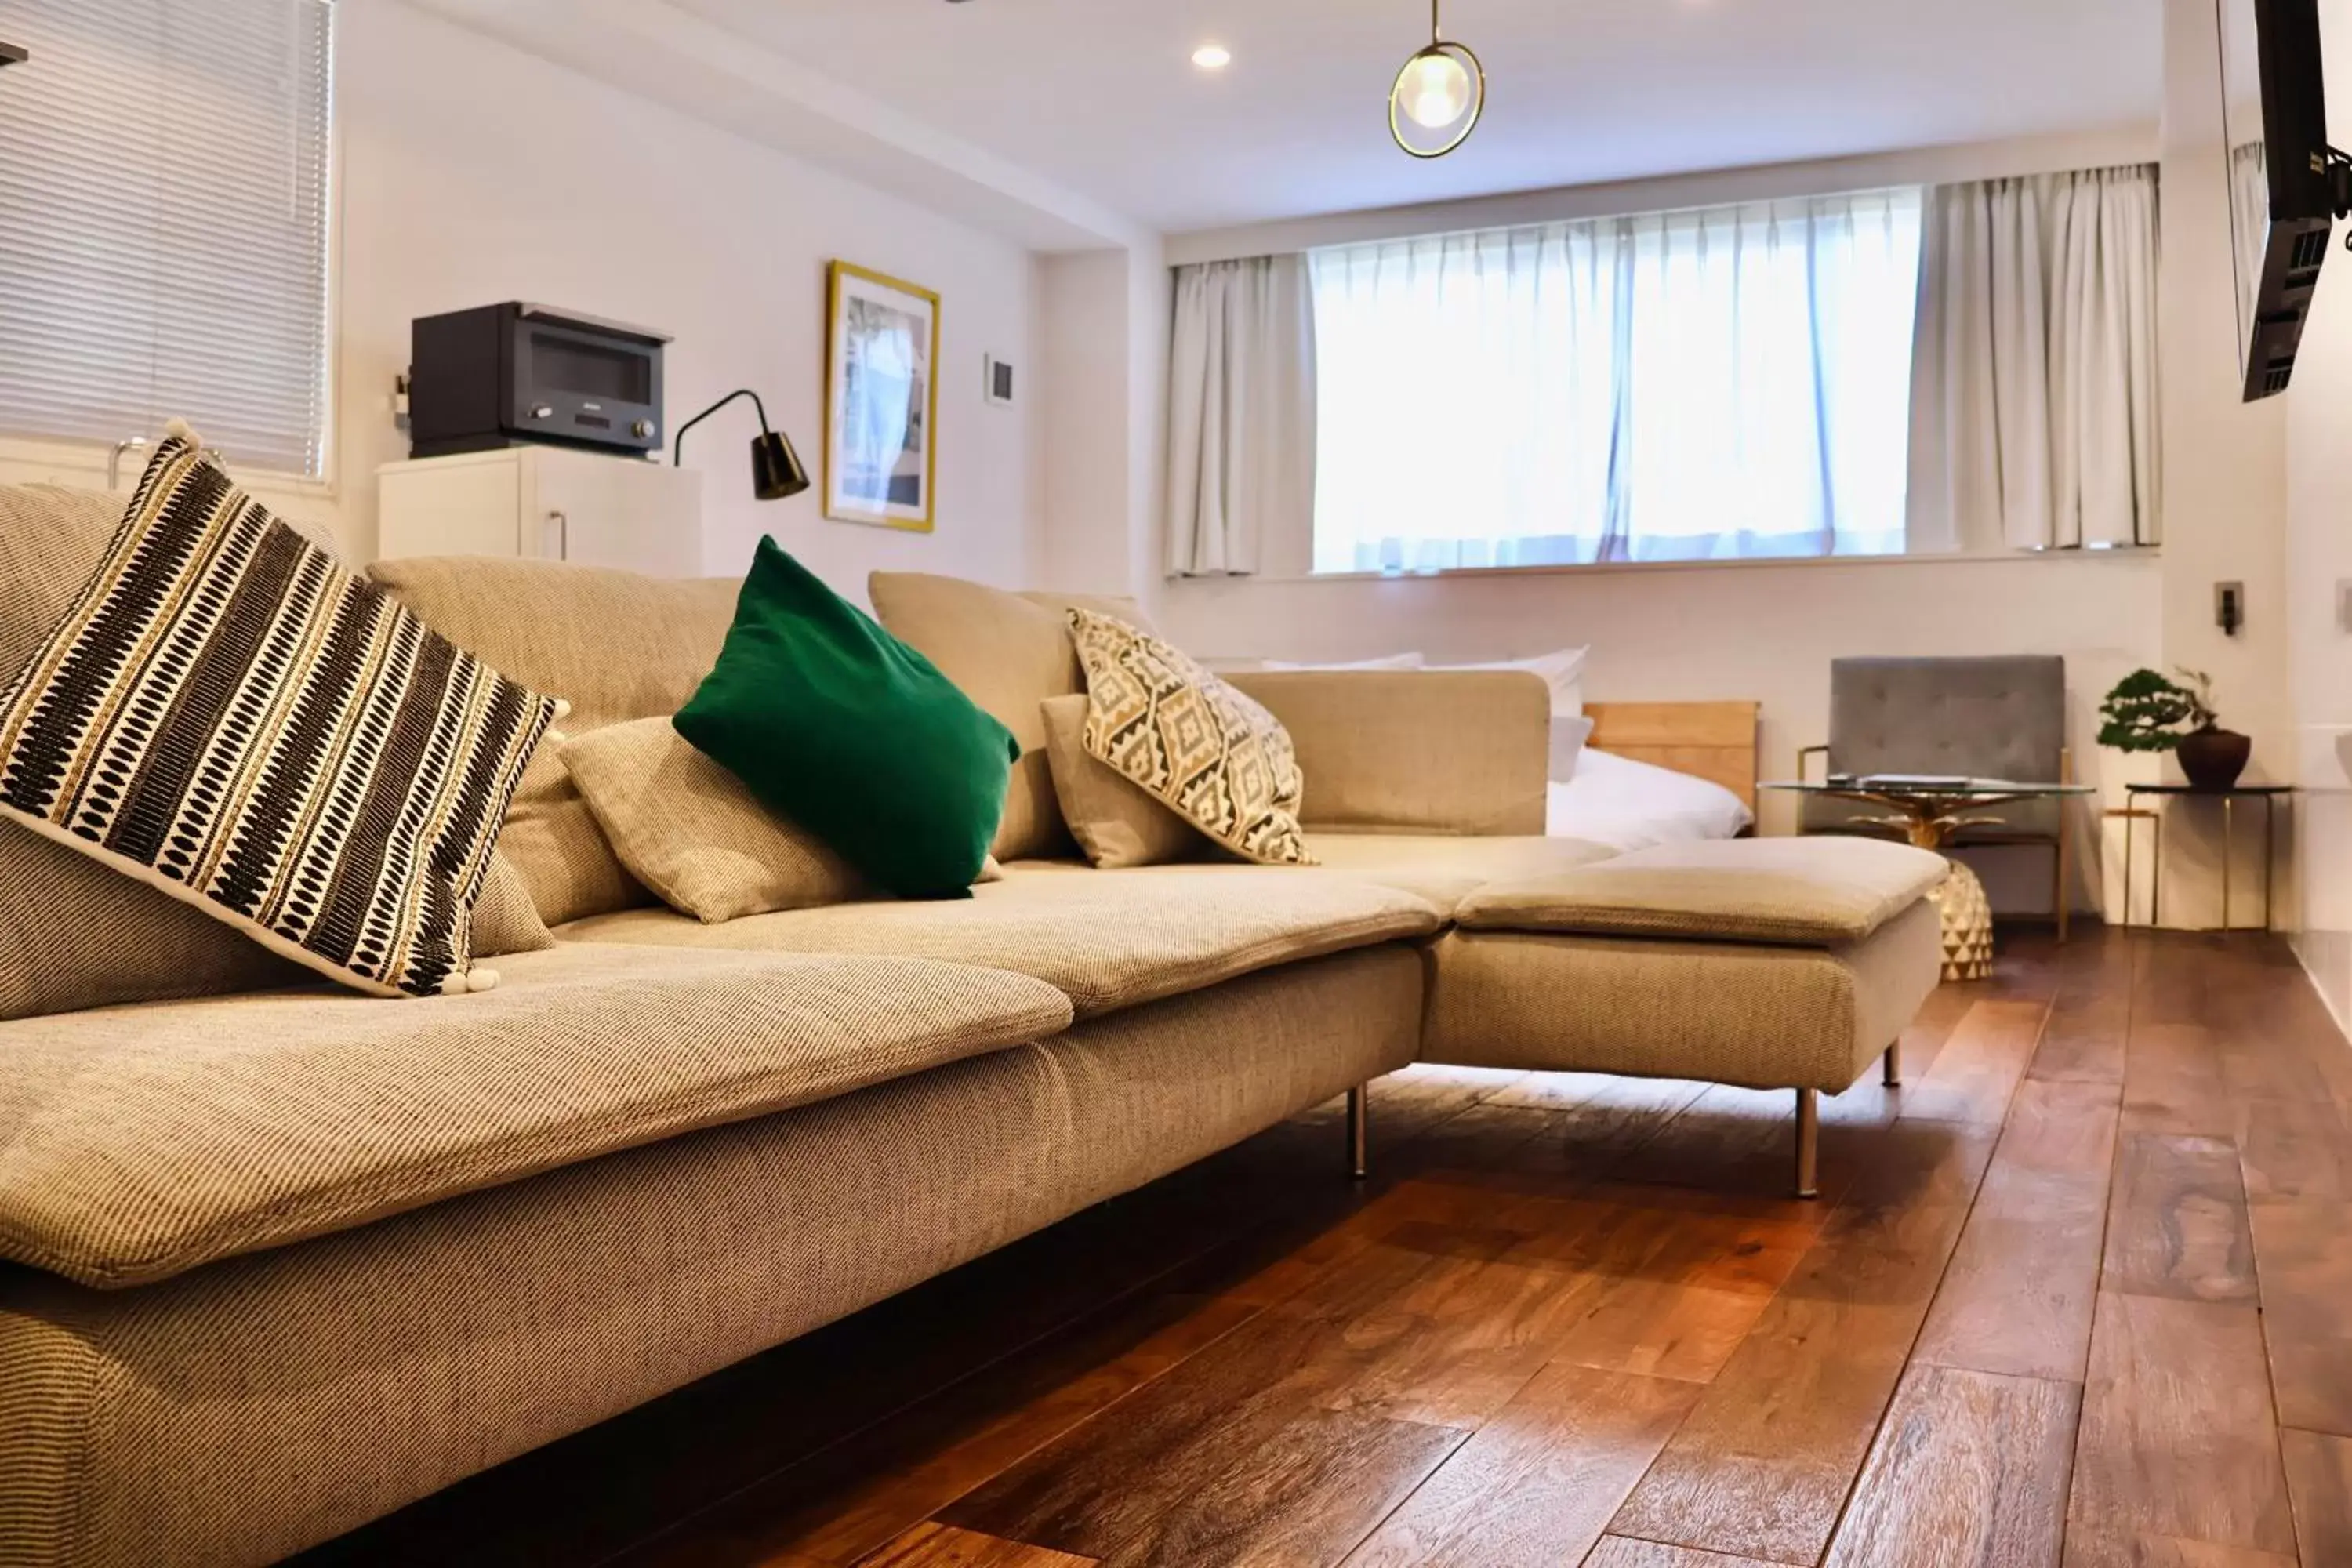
(163, 223)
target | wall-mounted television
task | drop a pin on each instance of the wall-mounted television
(2287, 184)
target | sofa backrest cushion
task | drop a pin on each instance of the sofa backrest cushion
(1009, 652)
(615, 645)
(1423, 751)
(76, 935)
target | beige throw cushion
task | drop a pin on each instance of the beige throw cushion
(1191, 741)
(1798, 892)
(504, 919)
(1114, 821)
(687, 828)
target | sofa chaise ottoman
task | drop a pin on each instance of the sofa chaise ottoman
(276, 1261)
(1768, 964)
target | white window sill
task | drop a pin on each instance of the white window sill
(83, 464)
(1744, 563)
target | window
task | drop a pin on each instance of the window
(1692, 386)
(163, 223)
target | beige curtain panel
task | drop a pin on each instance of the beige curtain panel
(2034, 385)
(1240, 408)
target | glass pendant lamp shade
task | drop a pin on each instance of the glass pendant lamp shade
(1435, 90)
(1438, 96)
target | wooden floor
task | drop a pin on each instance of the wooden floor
(2080, 1292)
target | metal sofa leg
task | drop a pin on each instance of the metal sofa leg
(1808, 1142)
(1894, 1065)
(1359, 1132)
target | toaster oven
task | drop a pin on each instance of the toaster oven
(502, 375)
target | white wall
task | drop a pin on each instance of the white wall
(472, 173)
(2319, 564)
(1082, 416)
(2224, 472)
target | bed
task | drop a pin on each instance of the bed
(1660, 773)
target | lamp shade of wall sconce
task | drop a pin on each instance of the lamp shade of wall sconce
(777, 473)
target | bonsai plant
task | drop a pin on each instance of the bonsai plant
(2149, 712)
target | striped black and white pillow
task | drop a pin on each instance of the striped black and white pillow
(229, 715)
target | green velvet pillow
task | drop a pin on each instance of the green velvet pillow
(834, 722)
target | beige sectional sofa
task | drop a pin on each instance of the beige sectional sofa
(280, 1261)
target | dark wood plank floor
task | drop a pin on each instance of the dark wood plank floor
(2080, 1293)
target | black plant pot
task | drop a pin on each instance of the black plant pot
(2214, 758)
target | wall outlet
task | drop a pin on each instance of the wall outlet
(2229, 607)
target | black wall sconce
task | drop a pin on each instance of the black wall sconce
(776, 471)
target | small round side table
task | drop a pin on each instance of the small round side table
(2267, 794)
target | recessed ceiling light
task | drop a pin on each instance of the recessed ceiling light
(1212, 56)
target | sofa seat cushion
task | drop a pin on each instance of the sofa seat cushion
(136, 1144)
(1107, 939)
(1446, 869)
(1796, 892)
(1762, 1017)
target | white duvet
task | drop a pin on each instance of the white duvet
(1631, 805)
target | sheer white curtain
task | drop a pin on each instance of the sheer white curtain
(1241, 414)
(2036, 380)
(1719, 383)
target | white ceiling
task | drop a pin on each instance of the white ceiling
(1099, 96)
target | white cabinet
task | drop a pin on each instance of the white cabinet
(547, 503)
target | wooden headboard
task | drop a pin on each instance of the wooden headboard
(1713, 741)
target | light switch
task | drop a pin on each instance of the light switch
(2344, 606)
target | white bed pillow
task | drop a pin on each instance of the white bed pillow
(1568, 748)
(1631, 805)
(1391, 661)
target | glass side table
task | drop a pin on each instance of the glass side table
(1929, 811)
(2267, 794)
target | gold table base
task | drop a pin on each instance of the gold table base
(1968, 924)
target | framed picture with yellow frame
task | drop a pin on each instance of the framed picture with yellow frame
(881, 400)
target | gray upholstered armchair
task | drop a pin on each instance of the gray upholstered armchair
(2001, 718)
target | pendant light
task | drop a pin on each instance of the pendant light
(1438, 95)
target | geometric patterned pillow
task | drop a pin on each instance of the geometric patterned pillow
(1189, 739)
(228, 714)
